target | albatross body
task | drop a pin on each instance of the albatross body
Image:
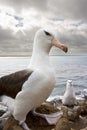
(31, 87)
(69, 98)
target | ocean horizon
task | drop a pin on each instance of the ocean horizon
(66, 67)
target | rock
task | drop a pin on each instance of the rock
(84, 128)
(33, 121)
(73, 114)
(46, 108)
(65, 112)
(72, 118)
(11, 124)
(83, 105)
(84, 110)
(56, 103)
(63, 122)
(79, 124)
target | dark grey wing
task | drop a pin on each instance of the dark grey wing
(11, 84)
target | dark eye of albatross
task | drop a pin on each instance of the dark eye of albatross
(48, 34)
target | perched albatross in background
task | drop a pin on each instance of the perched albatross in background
(27, 89)
(69, 98)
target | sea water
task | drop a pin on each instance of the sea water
(66, 67)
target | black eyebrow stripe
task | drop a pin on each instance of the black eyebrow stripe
(47, 33)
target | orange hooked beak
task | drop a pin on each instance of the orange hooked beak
(59, 45)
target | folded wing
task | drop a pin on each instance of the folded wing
(11, 84)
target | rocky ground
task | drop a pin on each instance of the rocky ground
(53, 116)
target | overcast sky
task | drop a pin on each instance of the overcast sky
(20, 19)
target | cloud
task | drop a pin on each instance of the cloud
(19, 5)
(75, 36)
(5, 34)
(19, 21)
(67, 9)
(19, 43)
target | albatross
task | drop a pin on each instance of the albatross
(69, 98)
(27, 89)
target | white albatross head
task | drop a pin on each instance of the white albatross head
(45, 40)
(69, 83)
